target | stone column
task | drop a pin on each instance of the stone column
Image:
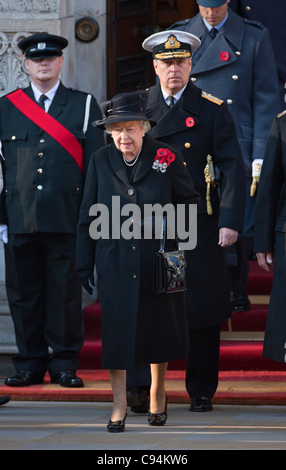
(84, 69)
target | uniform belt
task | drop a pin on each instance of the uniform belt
(48, 124)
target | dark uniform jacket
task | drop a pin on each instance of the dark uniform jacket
(272, 15)
(43, 183)
(270, 214)
(270, 234)
(200, 125)
(138, 326)
(239, 68)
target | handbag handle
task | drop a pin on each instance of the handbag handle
(163, 235)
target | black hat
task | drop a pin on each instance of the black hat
(125, 107)
(43, 45)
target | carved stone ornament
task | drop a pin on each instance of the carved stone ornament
(27, 6)
(13, 73)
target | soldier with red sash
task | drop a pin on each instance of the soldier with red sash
(47, 140)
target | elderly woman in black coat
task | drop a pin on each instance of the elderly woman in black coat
(138, 326)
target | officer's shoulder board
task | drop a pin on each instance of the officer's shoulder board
(179, 23)
(212, 98)
(281, 114)
(258, 24)
(79, 91)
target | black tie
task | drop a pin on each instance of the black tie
(172, 101)
(214, 32)
(42, 100)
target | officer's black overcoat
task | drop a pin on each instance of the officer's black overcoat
(270, 233)
(199, 125)
(43, 183)
(138, 326)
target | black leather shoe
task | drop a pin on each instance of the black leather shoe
(138, 400)
(240, 303)
(117, 426)
(24, 378)
(67, 378)
(4, 400)
(201, 405)
(158, 419)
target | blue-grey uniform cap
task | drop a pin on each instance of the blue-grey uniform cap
(211, 3)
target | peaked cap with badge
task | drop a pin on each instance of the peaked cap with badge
(171, 45)
(41, 45)
(211, 3)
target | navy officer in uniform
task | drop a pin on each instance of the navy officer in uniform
(231, 64)
(47, 141)
(200, 126)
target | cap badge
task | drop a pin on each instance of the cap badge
(42, 46)
(172, 43)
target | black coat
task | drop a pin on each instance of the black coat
(34, 159)
(138, 327)
(269, 234)
(212, 133)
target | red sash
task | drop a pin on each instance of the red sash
(50, 125)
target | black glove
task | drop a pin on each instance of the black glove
(87, 280)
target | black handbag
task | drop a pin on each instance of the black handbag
(169, 268)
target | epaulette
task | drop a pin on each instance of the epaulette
(212, 98)
(281, 114)
(80, 91)
(258, 24)
(179, 23)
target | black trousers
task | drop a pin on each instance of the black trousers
(44, 295)
(202, 367)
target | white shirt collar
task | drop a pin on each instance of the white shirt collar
(50, 94)
(177, 96)
(218, 27)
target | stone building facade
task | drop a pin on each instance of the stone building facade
(84, 69)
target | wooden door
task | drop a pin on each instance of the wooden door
(129, 22)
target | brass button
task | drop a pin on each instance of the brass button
(193, 79)
(235, 77)
(42, 141)
(13, 137)
(40, 170)
(238, 53)
(40, 155)
(229, 102)
(187, 145)
(248, 8)
(135, 277)
(131, 192)
(40, 188)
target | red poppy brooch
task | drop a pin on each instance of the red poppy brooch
(163, 159)
(190, 122)
(224, 56)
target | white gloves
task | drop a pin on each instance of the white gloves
(256, 171)
(4, 234)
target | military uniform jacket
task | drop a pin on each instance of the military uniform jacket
(272, 15)
(200, 125)
(270, 214)
(238, 66)
(43, 184)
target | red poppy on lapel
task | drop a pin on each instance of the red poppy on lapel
(190, 122)
(224, 56)
(163, 159)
